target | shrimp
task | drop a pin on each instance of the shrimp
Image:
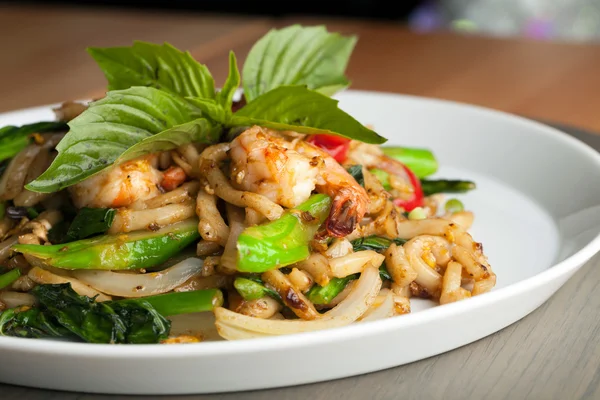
(286, 169)
(119, 186)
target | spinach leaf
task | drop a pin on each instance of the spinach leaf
(302, 110)
(431, 186)
(58, 233)
(13, 139)
(107, 129)
(160, 66)
(357, 173)
(89, 222)
(297, 55)
(63, 313)
(377, 243)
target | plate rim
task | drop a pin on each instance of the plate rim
(154, 351)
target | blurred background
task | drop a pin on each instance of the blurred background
(570, 20)
(537, 58)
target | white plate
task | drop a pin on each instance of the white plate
(537, 212)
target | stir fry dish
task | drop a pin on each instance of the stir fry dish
(260, 204)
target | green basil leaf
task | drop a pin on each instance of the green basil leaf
(13, 139)
(211, 109)
(89, 222)
(357, 173)
(197, 131)
(302, 110)
(225, 96)
(107, 129)
(161, 66)
(297, 55)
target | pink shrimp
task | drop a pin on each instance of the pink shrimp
(286, 169)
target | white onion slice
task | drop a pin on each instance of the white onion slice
(126, 284)
(349, 310)
(233, 333)
(384, 310)
(41, 276)
(17, 299)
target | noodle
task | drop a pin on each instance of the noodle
(334, 283)
(209, 168)
(132, 220)
(212, 227)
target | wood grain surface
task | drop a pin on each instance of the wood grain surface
(47, 61)
(554, 353)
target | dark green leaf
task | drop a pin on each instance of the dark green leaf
(89, 222)
(64, 313)
(161, 66)
(377, 243)
(58, 233)
(384, 273)
(446, 186)
(13, 139)
(32, 213)
(298, 55)
(302, 110)
(357, 173)
(32, 323)
(107, 129)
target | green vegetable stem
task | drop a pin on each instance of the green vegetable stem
(421, 161)
(9, 277)
(136, 250)
(446, 186)
(323, 295)
(183, 302)
(252, 290)
(284, 241)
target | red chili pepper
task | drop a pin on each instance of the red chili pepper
(417, 198)
(336, 146)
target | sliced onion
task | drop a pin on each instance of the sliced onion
(17, 299)
(126, 284)
(384, 310)
(41, 276)
(234, 333)
(349, 310)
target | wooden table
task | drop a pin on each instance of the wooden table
(554, 353)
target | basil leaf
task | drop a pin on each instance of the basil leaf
(89, 222)
(211, 109)
(107, 129)
(377, 243)
(161, 66)
(225, 96)
(297, 55)
(198, 131)
(302, 110)
(357, 173)
(13, 139)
